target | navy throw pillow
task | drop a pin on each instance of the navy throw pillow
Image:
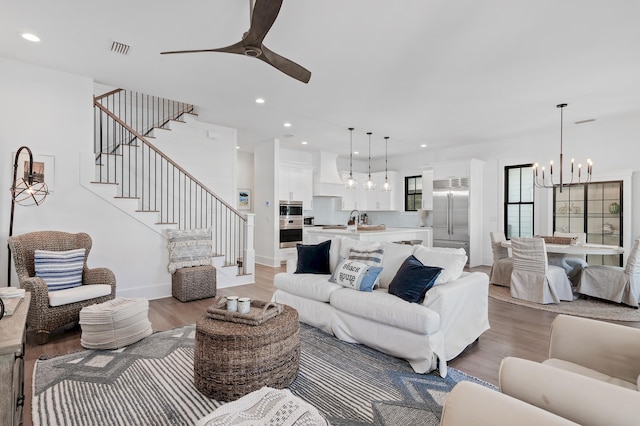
(413, 279)
(313, 259)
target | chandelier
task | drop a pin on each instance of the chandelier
(351, 182)
(542, 181)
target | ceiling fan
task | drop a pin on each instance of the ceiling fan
(263, 15)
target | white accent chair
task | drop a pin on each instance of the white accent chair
(614, 283)
(567, 394)
(533, 279)
(601, 350)
(502, 262)
(469, 403)
(572, 264)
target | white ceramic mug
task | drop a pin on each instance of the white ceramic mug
(244, 305)
(232, 303)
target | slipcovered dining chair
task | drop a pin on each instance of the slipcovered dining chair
(52, 265)
(572, 264)
(533, 279)
(614, 283)
(502, 262)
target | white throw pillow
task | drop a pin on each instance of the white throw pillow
(452, 261)
(394, 255)
(346, 244)
(356, 275)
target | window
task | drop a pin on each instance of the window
(412, 193)
(518, 201)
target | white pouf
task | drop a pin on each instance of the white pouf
(115, 323)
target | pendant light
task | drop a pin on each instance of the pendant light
(351, 182)
(387, 186)
(548, 183)
(369, 185)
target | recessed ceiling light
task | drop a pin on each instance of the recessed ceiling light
(259, 101)
(287, 124)
(30, 37)
(356, 152)
(304, 142)
(237, 147)
(424, 145)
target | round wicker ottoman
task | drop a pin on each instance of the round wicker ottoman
(231, 360)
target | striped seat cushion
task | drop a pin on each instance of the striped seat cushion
(60, 269)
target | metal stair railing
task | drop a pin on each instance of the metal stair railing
(127, 158)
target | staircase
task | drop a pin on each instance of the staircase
(131, 173)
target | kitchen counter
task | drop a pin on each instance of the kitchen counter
(389, 234)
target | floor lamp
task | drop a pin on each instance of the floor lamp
(25, 192)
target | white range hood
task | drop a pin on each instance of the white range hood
(326, 179)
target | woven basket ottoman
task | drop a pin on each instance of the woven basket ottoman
(196, 282)
(232, 359)
(115, 324)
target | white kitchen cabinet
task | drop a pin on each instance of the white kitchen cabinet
(354, 199)
(296, 183)
(375, 200)
(427, 189)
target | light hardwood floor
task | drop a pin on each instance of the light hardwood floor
(515, 331)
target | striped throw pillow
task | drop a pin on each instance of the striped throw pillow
(368, 256)
(189, 247)
(60, 269)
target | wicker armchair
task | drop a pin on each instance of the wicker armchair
(42, 317)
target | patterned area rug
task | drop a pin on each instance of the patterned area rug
(583, 307)
(151, 383)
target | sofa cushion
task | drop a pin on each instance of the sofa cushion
(452, 261)
(346, 244)
(78, 294)
(356, 275)
(60, 269)
(310, 286)
(381, 307)
(588, 372)
(413, 280)
(313, 259)
(368, 256)
(334, 251)
(394, 255)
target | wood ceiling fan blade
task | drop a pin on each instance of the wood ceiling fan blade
(234, 48)
(263, 16)
(285, 65)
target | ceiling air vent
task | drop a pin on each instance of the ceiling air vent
(121, 48)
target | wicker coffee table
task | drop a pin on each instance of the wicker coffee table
(232, 359)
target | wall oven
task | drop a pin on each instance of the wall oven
(290, 223)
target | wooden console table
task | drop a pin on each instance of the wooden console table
(12, 343)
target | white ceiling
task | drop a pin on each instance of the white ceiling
(439, 72)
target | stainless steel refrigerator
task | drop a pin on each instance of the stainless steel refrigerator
(451, 213)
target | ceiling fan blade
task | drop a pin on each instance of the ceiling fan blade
(234, 48)
(263, 16)
(285, 65)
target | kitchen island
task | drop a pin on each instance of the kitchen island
(369, 233)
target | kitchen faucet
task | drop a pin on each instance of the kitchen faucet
(356, 218)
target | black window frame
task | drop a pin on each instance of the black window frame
(412, 195)
(506, 198)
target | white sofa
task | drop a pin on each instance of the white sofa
(453, 315)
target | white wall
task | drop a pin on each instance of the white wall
(245, 172)
(266, 156)
(51, 112)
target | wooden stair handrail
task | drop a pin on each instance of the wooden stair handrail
(169, 160)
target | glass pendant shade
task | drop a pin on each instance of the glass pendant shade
(386, 187)
(369, 185)
(351, 183)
